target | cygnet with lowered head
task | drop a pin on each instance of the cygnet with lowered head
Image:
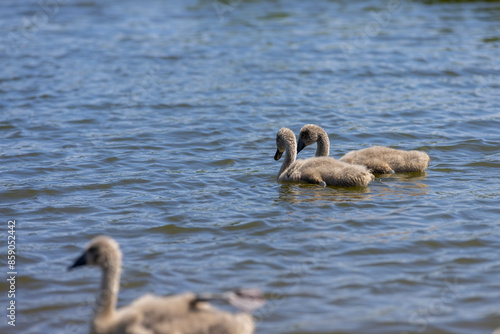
(378, 159)
(180, 314)
(321, 170)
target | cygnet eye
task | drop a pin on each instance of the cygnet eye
(93, 253)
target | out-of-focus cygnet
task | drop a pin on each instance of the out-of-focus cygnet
(180, 314)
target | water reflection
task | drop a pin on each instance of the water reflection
(404, 184)
(308, 193)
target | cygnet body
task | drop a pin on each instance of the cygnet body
(385, 160)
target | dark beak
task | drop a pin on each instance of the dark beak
(81, 261)
(278, 155)
(300, 146)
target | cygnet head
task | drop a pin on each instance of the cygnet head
(102, 251)
(308, 135)
(282, 141)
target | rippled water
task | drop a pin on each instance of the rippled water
(154, 122)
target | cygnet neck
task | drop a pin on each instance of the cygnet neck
(290, 151)
(108, 294)
(323, 144)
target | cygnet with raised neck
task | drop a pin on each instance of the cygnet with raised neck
(324, 171)
(378, 159)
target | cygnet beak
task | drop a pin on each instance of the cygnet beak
(300, 146)
(81, 261)
(278, 155)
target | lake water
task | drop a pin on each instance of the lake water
(154, 122)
